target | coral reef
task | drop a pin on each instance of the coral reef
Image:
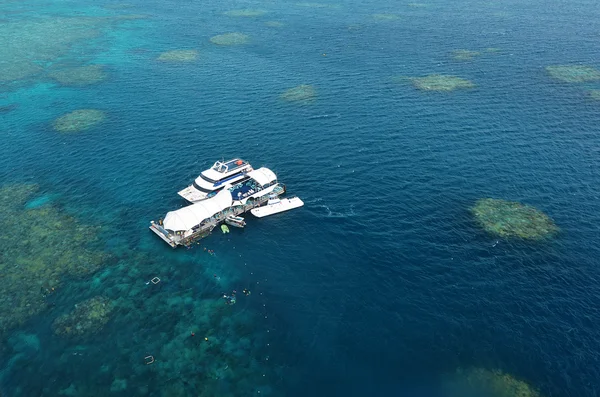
(573, 73)
(178, 56)
(274, 24)
(482, 382)
(318, 5)
(118, 6)
(302, 93)
(78, 76)
(38, 248)
(385, 17)
(594, 94)
(246, 12)
(8, 108)
(131, 17)
(25, 45)
(230, 39)
(88, 317)
(221, 353)
(512, 219)
(29, 47)
(439, 82)
(78, 120)
(464, 55)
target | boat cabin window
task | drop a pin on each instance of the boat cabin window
(203, 190)
(207, 179)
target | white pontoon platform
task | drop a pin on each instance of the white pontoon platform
(276, 205)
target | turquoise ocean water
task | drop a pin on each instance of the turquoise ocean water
(382, 283)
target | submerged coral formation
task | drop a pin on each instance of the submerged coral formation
(302, 93)
(26, 45)
(573, 73)
(274, 24)
(178, 56)
(512, 219)
(439, 82)
(88, 317)
(464, 55)
(8, 108)
(482, 382)
(30, 47)
(594, 94)
(318, 5)
(230, 39)
(385, 17)
(78, 76)
(39, 247)
(79, 120)
(246, 12)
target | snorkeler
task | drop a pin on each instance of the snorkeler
(246, 291)
(229, 299)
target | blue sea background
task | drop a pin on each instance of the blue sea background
(383, 282)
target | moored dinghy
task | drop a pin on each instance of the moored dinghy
(276, 205)
(235, 221)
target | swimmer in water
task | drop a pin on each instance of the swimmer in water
(246, 292)
(229, 300)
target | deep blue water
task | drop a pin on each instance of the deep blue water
(382, 282)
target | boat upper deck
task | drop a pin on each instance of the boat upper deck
(224, 167)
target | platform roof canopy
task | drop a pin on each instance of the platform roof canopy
(187, 217)
(263, 176)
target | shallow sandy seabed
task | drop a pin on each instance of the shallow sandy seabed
(439, 82)
(513, 219)
(302, 93)
(79, 120)
(246, 12)
(573, 73)
(230, 39)
(78, 76)
(178, 56)
(489, 383)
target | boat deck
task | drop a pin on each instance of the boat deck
(244, 189)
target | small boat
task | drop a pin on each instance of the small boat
(235, 221)
(276, 205)
(224, 229)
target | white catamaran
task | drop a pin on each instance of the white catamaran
(214, 179)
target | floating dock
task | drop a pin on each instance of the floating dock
(194, 222)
